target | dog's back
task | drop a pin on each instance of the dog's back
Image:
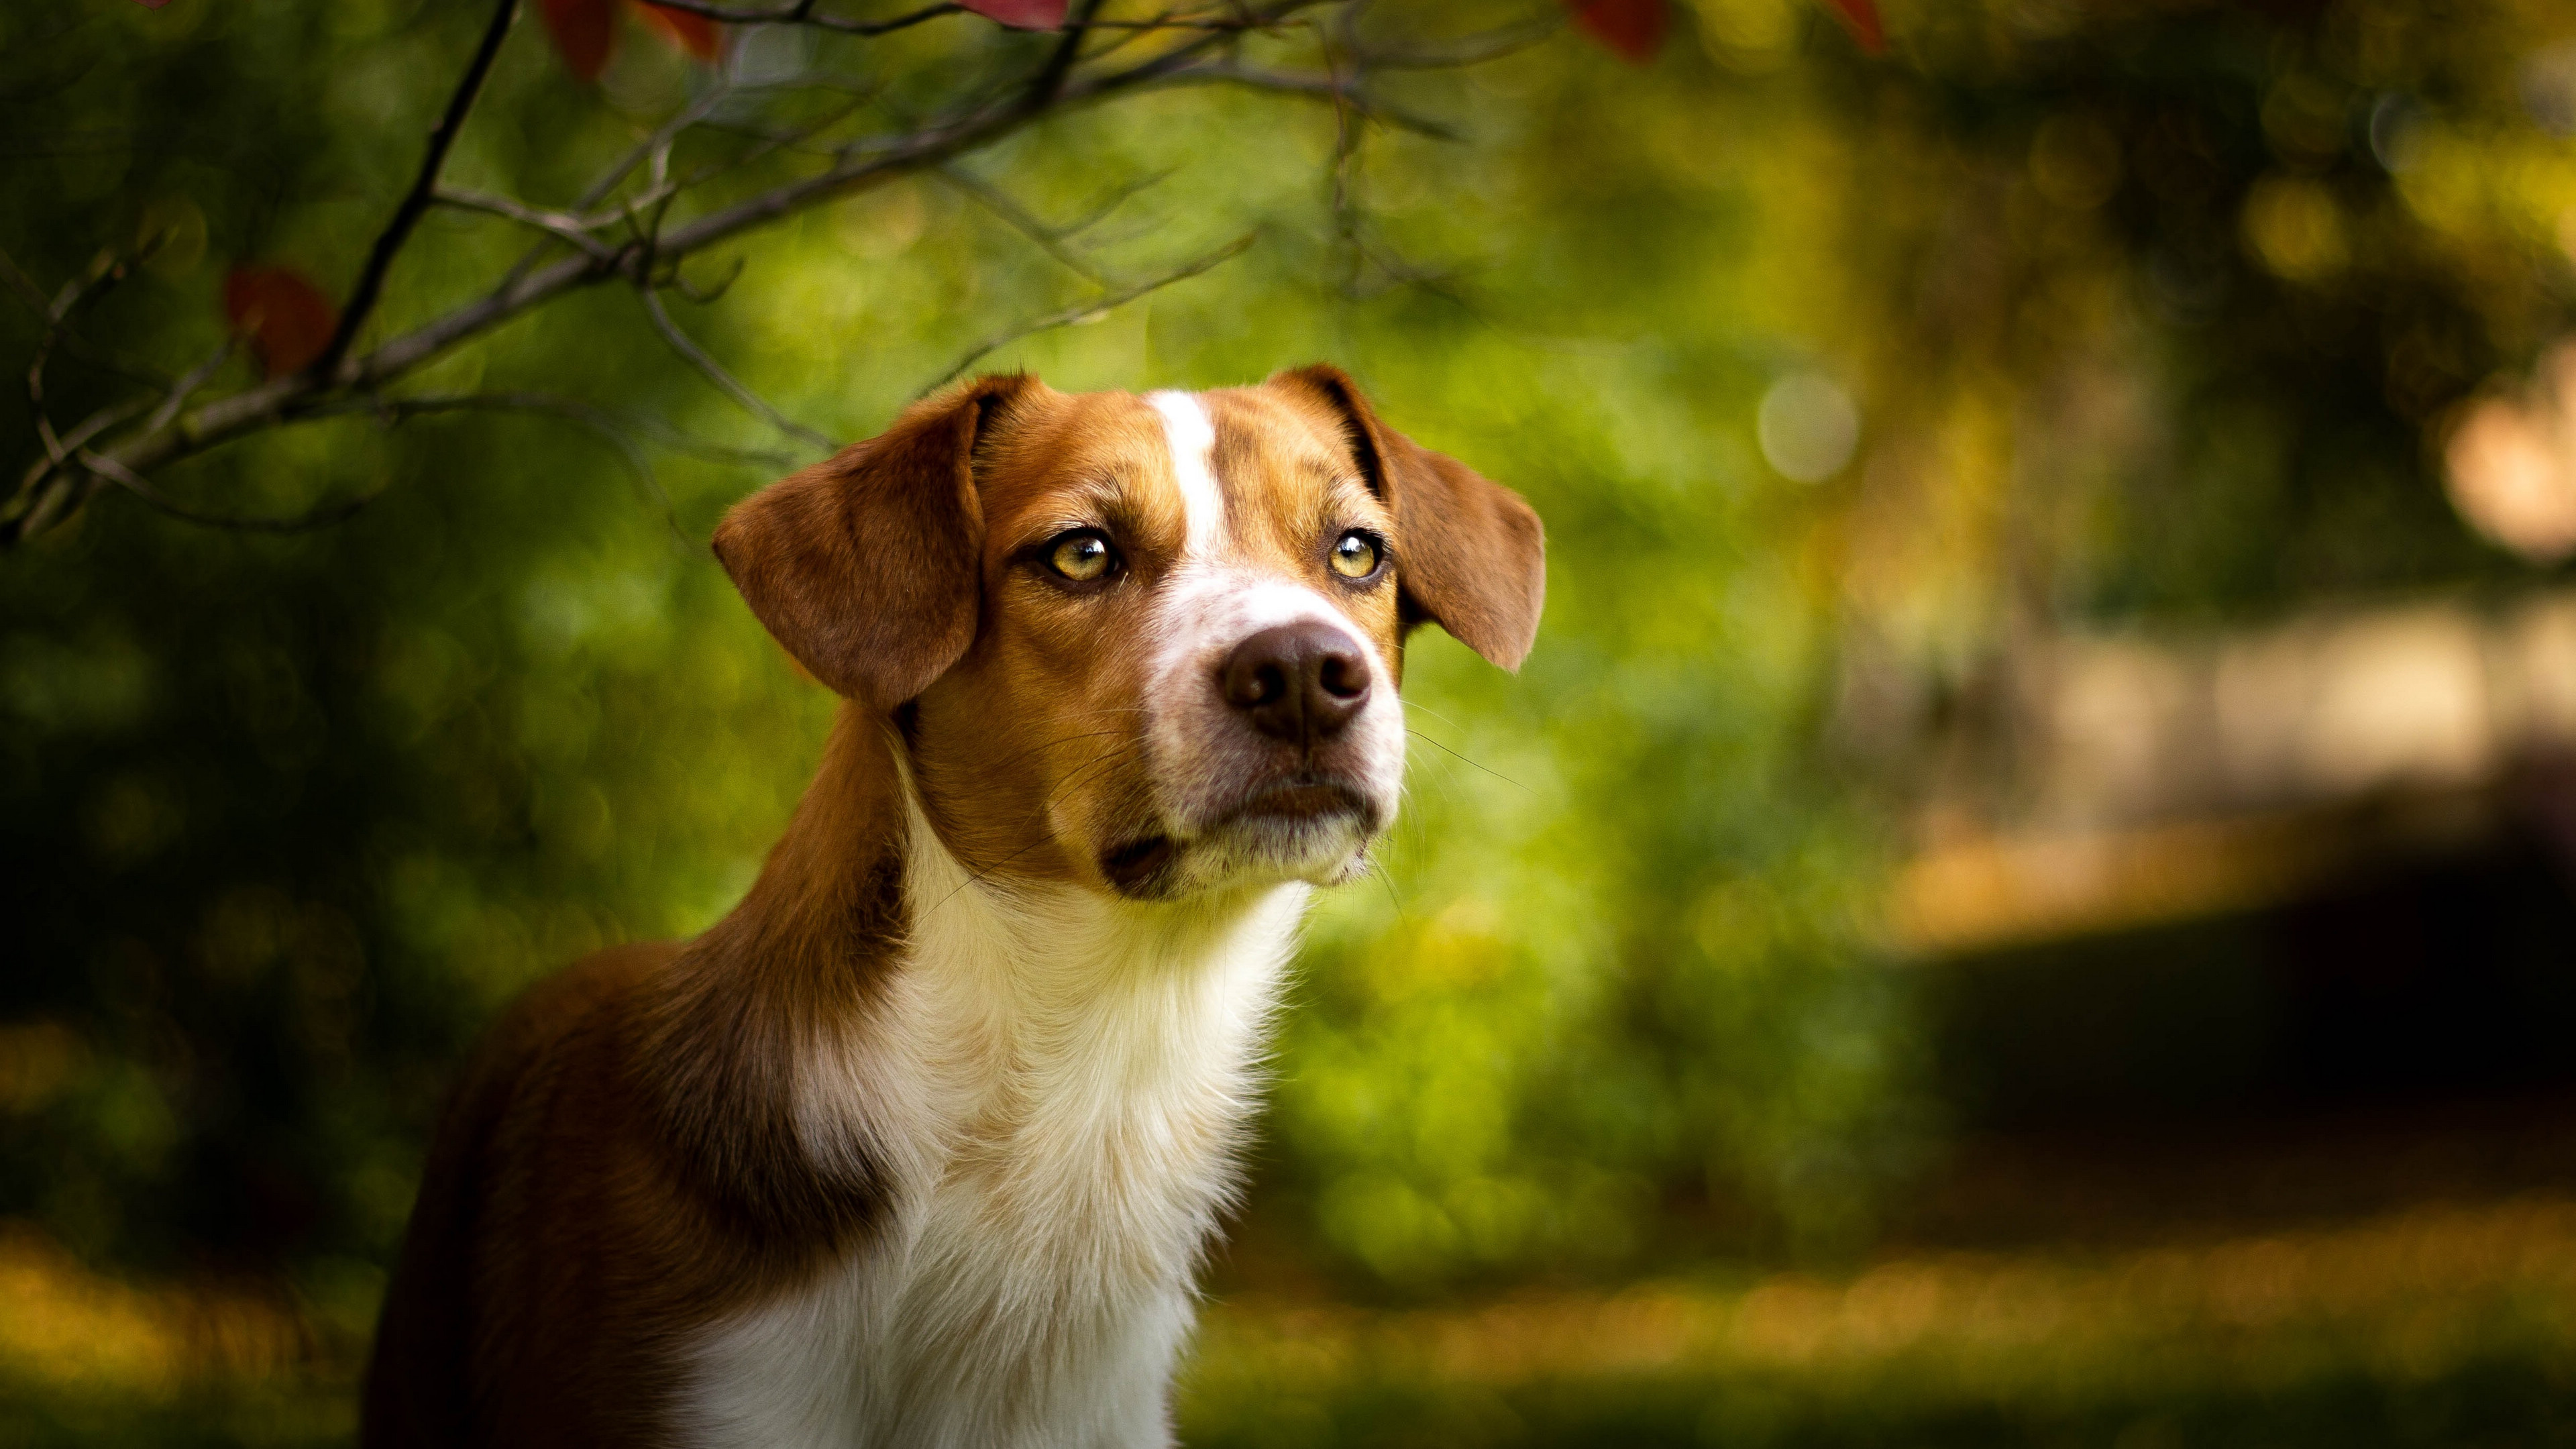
(491, 1255)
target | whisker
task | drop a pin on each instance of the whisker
(1497, 774)
(1390, 893)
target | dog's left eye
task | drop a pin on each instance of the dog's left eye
(1083, 555)
(1355, 555)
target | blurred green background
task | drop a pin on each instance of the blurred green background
(1752, 1037)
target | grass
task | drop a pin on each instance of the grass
(2450, 1325)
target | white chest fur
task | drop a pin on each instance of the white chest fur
(1058, 1084)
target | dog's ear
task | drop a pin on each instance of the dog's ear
(1469, 554)
(867, 566)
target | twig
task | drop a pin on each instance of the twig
(1050, 240)
(1094, 309)
(1323, 87)
(732, 387)
(800, 14)
(587, 414)
(1050, 78)
(602, 424)
(134, 483)
(1475, 49)
(371, 282)
(563, 226)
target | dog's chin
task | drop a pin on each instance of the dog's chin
(1317, 833)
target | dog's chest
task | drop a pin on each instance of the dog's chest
(1063, 1132)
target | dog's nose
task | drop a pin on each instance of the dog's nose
(1297, 682)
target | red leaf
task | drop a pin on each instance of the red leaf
(686, 29)
(1860, 17)
(581, 31)
(1633, 29)
(1020, 14)
(286, 318)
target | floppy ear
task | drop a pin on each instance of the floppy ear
(1469, 554)
(867, 566)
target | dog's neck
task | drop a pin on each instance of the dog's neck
(885, 1012)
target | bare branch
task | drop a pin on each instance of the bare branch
(1050, 78)
(135, 484)
(600, 423)
(1093, 310)
(371, 282)
(1475, 49)
(1050, 240)
(732, 387)
(1343, 92)
(563, 226)
(587, 414)
(801, 14)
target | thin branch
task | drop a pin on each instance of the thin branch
(801, 14)
(194, 379)
(602, 424)
(1475, 49)
(1339, 91)
(24, 285)
(1050, 78)
(563, 226)
(371, 282)
(1050, 240)
(588, 414)
(732, 387)
(1093, 310)
(134, 483)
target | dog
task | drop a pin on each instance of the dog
(923, 1144)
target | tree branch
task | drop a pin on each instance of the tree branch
(1055, 87)
(801, 14)
(371, 282)
(1093, 310)
(1000, 203)
(135, 484)
(563, 226)
(732, 387)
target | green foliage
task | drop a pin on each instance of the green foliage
(286, 819)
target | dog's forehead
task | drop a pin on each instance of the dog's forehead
(1234, 472)
(1066, 455)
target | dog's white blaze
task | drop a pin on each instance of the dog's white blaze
(1084, 1070)
(1191, 437)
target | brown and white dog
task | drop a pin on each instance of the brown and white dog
(923, 1143)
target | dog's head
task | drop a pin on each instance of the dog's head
(1149, 644)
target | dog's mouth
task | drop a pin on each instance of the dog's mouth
(1138, 868)
(1290, 825)
(1299, 800)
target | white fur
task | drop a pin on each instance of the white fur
(1058, 1082)
(1191, 437)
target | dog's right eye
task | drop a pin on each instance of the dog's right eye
(1084, 555)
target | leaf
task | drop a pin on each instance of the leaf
(151, 4)
(1020, 14)
(1860, 17)
(286, 318)
(1632, 29)
(581, 30)
(686, 29)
